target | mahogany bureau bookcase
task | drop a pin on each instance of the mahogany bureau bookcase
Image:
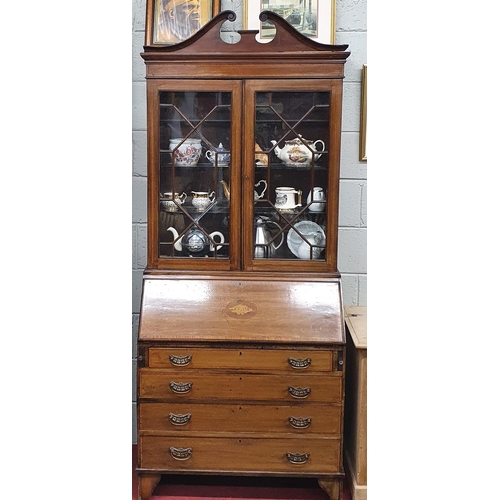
(241, 337)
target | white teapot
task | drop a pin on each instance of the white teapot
(195, 243)
(298, 151)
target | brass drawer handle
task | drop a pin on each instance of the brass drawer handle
(181, 387)
(180, 360)
(297, 458)
(299, 364)
(178, 419)
(299, 422)
(299, 392)
(181, 453)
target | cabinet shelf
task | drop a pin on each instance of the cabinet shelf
(199, 165)
(221, 207)
(274, 166)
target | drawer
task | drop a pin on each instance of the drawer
(299, 455)
(295, 419)
(241, 359)
(194, 387)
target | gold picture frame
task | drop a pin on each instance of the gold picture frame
(169, 22)
(315, 18)
(363, 117)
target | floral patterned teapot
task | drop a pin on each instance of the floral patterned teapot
(298, 151)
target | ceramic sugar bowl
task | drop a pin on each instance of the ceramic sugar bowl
(202, 199)
(172, 201)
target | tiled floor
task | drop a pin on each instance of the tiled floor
(234, 488)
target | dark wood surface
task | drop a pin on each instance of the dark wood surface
(238, 310)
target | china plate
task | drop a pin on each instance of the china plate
(304, 227)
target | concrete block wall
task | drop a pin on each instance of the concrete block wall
(351, 28)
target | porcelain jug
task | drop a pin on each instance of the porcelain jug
(285, 199)
(171, 202)
(264, 246)
(316, 195)
(256, 196)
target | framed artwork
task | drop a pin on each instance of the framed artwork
(313, 18)
(363, 118)
(174, 21)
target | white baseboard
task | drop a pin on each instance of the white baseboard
(358, 491)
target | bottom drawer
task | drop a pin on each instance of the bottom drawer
(319, 455)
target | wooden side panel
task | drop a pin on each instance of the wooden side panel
(355, 447)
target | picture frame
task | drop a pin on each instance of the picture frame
(313, 18)
(364, 116)
(169, 22)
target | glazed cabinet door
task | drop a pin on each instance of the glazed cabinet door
(194, 150)
(291, 174)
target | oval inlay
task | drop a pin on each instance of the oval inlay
(240, 309)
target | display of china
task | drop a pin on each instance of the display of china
(288, 199)
(298, 151)
(186, 152)
(195, 242)
(264, 244)
(256, 195)
(202, 199)
(312, 248)
(172, 203)
(220, 154)
(316, 195)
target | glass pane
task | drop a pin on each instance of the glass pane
(291, 174)
(195, 156)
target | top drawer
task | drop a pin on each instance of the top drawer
(241, 359)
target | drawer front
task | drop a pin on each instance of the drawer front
(245, 359)
(189, 386)
(311, 455)
(294, 419)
